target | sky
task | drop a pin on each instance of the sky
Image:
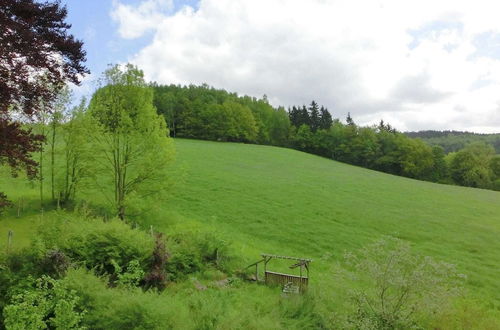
(418, 65)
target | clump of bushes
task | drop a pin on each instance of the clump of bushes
(198, 250)
(107, 248)
(123, 307)
(48, 304)
(397, 289)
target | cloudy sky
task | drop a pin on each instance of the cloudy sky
(415, 64)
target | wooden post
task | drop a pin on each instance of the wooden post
(265, 263)
(9, 240)
(19, 207)
(300, 283)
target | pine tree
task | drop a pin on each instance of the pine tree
(294, 115)
(314, 116)
(325, 118)
(304, 117)
(349, 120)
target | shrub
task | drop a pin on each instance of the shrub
(55, 263)
(108, 248)
(125, 308)
(399, 288)
(4, 202)
(157, 277)
(197, 250)
(49, 304)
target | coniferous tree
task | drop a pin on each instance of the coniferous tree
(314, 116)
(325, 118)
(294, 115)
(304, 117)
(349, 120)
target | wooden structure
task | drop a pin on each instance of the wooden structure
(289, 283)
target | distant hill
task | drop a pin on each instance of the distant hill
(455, 140)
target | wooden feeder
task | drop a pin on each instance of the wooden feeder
(289, 283)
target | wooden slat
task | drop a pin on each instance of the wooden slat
(285, 257)
(274, 278)
(255, 263)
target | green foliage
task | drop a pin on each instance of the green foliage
(195, 250)
(108, 248)
(129, 140)
(75, 154)
(122, 308)
(399, 287)
(51, 304)
(471, 166)
(211, 114)
(132, 276)
(453, 141)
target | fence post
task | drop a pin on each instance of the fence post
(9, 240)
(19, 206)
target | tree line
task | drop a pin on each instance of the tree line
(202, 112)
(453, 141)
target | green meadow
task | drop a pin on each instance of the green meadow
(281, 201)
(264, 199)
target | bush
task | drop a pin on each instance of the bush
(108, 248)
(49, 304)
(398, 289)
(125, 308)
(197, 250)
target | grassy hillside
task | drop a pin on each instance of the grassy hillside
(283, 201)
(280, 201)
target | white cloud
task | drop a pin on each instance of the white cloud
(88, 85)
(413, 63)
(135, 21)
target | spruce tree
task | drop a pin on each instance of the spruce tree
(325, 118)
(304, 117)
(349, 120)
(314, 116)
(294, 115)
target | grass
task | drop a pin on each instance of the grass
(280, 201)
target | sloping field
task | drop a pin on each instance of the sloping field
(281, 201)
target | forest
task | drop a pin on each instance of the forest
(452, 141)
(203, 112)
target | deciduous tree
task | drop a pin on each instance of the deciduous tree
(37, 56)
(131, 143)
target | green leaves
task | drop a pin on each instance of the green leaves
(398, 287)
(130, 140)
(49, 304)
